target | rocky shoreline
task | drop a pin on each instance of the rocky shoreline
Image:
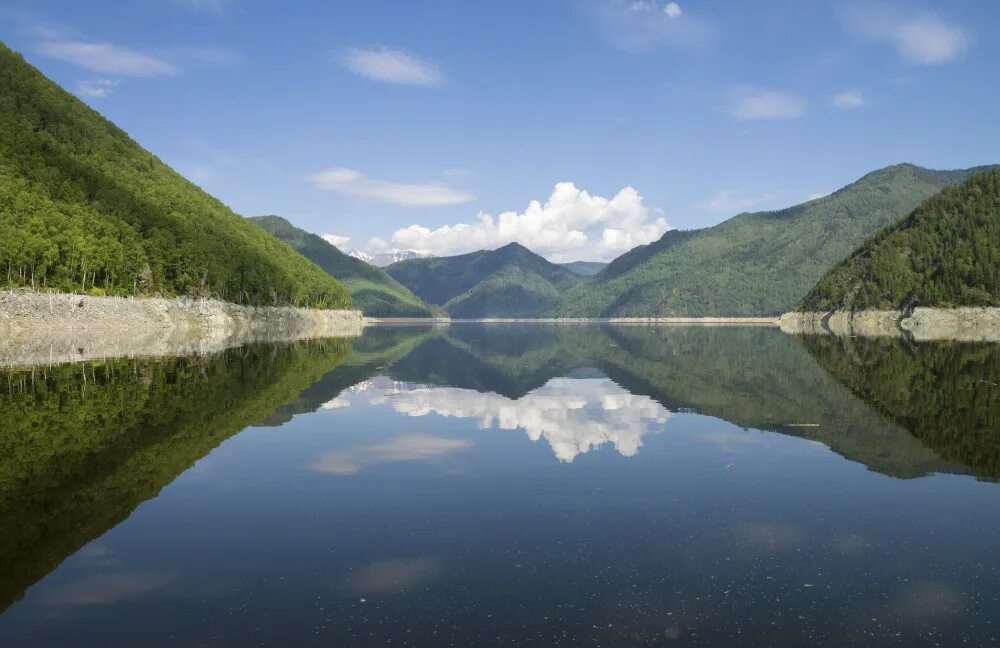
(962, 324)
(49, 328)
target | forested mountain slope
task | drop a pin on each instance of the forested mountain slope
(755, 264)
(511, 281)
(374, 292)
(946, 253)
(84, 208)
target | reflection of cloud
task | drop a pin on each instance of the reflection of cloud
(107, 588)
(849, 545)
(406, 447)
(392, 576)
(574, 415)
(928, 601)
(337, 403)
(768, 538)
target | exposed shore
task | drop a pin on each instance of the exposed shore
(49, 328)
(962, 324)
(714, 321)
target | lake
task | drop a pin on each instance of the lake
(546, 485)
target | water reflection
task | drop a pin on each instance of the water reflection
(382, 491)
(574, 415)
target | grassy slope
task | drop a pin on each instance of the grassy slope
(374, 292)
(84, 207)
(945, 253)
(509, 282)
(754, 264)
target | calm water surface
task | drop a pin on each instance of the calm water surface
(507, 485)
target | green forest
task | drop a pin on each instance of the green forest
(84, 208)
(946, 253)
(374, 292)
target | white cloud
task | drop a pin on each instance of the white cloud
(351, 182)
(96, 88)
(572, 224)
(749, 102)
(849, 99)
(645, 25)
(336, 240)
(389, 65)
(405, 447)
(817, 195)
(920, 37)
(732, 201)
(573, 415)
(107, 58)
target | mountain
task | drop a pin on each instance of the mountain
(84, 208)
(946, 253)
(383, 259)
(584, 268)
(511, 281)
(374, 292)
(755, 264)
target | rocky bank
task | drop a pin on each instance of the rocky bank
(965, 324)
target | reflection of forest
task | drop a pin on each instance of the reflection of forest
(84, 444)
(946, 394)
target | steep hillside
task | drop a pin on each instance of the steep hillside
(374, 292)
(946, 253)
(84, 208)
(755, 264)
(508, 282)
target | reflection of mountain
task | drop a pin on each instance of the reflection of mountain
(82, 445)
(574, 415)
(753, 377)
(946, 394)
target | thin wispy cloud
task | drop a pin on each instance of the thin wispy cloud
(919, 37)
(107, 58)
(749, 102)
(849, 100)
(96, 88)
(646, 25)
(351, 182)
(731, 201)
(388, 65)
(571, 224)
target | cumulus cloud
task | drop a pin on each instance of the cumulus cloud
(351, 182)
(388, 65)
(920, 37)
(107, 58)
(96, 88)
(645, 25)
(849, 100)
(732, 201)
(574, 415)
(749, 102)
(572, 224)
(336, 240)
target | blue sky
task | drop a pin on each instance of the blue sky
(421, 123)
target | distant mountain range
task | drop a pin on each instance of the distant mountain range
(752, 264)
(512, 281)
(585, 268)
(375, 293)
(383, 259)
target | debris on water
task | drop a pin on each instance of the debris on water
(803, 425)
